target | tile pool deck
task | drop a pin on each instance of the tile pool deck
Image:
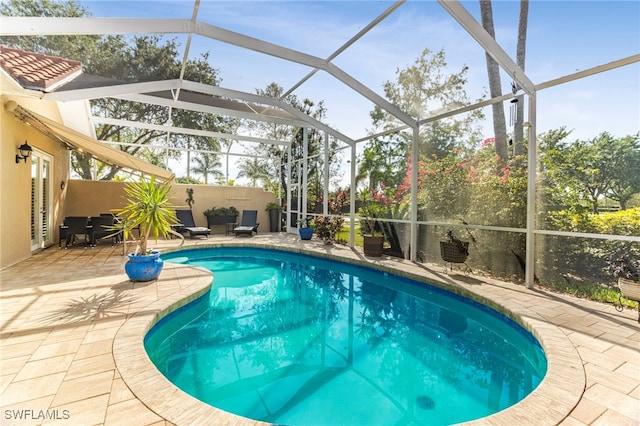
(72, 323)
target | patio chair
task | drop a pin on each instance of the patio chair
(101, 226)
(455, 251)
(187, 224)
(75, 225)
(249, 223)
(116, 220)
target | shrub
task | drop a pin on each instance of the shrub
(221, 211)
(326, 227)
(272, 205)
(586, 257)
(623, 265)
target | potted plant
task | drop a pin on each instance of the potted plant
(149, 211)
(274, 210)
(304, 228)
(221, 215)
(627, 269)
(373, 240)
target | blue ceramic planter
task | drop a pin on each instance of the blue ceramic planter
(144, 268)
(305, 233)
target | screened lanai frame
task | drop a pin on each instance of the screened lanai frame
(251, 106)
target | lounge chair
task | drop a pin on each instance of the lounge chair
(249, 223)
(187, 224)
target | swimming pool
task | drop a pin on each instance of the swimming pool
(292, 339)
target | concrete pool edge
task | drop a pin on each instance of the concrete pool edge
(142, 377)
(550, 403)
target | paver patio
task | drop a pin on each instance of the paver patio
(71, 327)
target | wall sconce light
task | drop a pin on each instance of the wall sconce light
(25, 152)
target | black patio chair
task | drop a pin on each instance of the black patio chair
(249, 223)
(116, 220)
(101, 227)
(75, 225)
(455, 251)
(187, 224)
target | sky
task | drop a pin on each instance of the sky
(563, 37)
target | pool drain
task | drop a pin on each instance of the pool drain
(425, 403)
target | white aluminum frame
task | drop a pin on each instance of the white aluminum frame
(277, 111)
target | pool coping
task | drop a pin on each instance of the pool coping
(550, 403)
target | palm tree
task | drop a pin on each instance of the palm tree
(254, 170)
(207, 164)
(495, 87)
(518, 131)
(227, 144)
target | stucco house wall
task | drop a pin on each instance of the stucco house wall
(15, 179)
(77, 197)
(84, 198)
(90, 198)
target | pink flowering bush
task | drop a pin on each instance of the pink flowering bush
(470, 184)
(327, 227)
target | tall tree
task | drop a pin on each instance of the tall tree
(278, 155)
(521, 53)
(254, 170)
(136, 59)
(272, 155)
(420, 90)
(207, 165)
(495, 85)
(75, 46)
(382, 160)
(147, 60)
(624, 154)
(580, 173)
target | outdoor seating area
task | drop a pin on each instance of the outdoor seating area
(62, 351)
(88, 229)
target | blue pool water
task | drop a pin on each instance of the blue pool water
(292, 339)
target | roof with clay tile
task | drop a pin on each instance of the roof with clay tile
(38, 71)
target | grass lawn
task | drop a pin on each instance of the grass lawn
(595, 292)
(343, 236)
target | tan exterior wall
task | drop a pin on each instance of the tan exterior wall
(81, 197)
(78, 198)
(15, 179)
(90, 198)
